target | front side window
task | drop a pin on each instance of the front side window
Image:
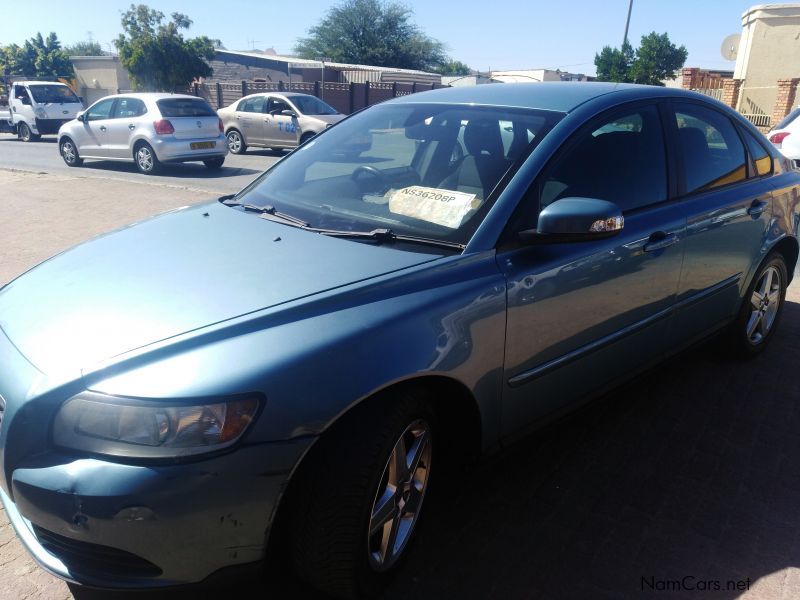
(620, 159)
(253, 105)
(277, 105)
(101, 110)
(712, 155)
(423, 170)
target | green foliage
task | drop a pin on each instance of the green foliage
(373, 33)
(452, 67)
(37, 57)
(86, 48)
(155, 53)
(656, 59)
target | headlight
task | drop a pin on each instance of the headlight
(40, 114)
(150, 429)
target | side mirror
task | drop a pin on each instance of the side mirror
(575, 220)
(25, 100)
(288, 113)
(81, 116)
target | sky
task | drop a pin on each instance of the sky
(496, 35)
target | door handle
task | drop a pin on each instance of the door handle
(131, 126)
(660, 240)
(102, 127)
(756, 208)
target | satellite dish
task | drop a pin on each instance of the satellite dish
(730, 46)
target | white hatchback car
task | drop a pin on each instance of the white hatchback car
(148, 129)
(786, 136)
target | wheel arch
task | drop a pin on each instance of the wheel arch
(790, 249)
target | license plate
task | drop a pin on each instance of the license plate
(201, 145)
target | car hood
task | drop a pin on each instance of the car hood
(328, 119)
(172, 274)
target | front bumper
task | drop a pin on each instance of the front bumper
(113, 525)
(180, 150)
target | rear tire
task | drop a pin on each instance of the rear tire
(69, 152)
(761, 309)
(145, 158)
(359, 480)
(214, 163)
(25, 134)
(236, 143)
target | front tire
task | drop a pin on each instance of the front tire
(762, 307)
(306, 136)
(146, 160)
(69, 152)
(359, 500)
(236, 143)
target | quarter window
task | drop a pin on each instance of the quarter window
(101, 110)
(711, 152)
(621, 159)
(762, 161)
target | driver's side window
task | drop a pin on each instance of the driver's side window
(620, 159)
(276, 106)
(101, 110)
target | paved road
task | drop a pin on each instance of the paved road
(686, 479)
(43, 156)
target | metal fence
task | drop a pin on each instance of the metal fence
(344, 97)
(756, 104)
(715, 93)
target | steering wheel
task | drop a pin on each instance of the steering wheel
(370, 171)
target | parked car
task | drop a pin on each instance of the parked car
(37, 108)
(276, 121)
(148, 129)
(288, 367)
(786, 136)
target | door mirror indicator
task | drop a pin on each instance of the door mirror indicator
(575, 219)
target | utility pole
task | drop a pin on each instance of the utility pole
(627, 22)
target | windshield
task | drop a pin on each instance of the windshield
(185, 107)
(421, 170)
(43, 94)
(311, 105)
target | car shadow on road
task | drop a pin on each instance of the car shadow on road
(181, 171)
(686, 480)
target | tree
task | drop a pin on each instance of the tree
(452, 67)
(37, 57)
(155, 53)
(656, 59)
(87, 48)
(373, 33)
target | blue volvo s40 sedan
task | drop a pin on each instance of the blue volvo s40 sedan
(304, 356)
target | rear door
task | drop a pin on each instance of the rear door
(583, 314)
(281, 129)
(251, 119)
(192, 118)
(120, 128)
(93, 137)
(728, 211)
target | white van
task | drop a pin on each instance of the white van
(37, 108)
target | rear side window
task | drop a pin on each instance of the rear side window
(185, 107)
(711, 151)
(621, 159)
(253, 105)
(762, 161)
(129, 107)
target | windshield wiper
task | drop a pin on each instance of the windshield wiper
(382, 236)
(267, 212)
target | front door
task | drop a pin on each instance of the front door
(583, 314)
(121, 127)
(281, 129)
(93, 139)
(728, 207)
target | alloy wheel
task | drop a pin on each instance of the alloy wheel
(234, 142)
(764, 304)
(399, 496)
(144, 157)
(68, 152)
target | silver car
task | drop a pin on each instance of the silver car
(275, 120)
(148, 129)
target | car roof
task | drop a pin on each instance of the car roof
(561, 96)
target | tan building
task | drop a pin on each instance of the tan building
(99, 76)
(769, 50)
